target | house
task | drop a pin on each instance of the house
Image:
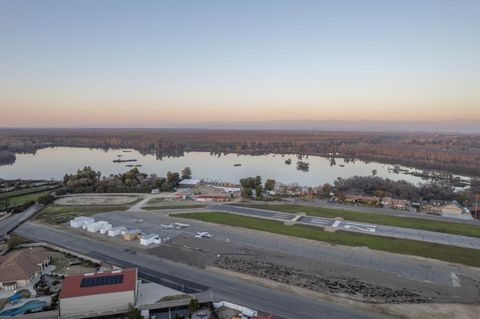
(361, 199)
(400, 204)
(22, 268)
(455, 210)
(447, 209)
(104, 293)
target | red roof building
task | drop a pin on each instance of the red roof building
(98, 293)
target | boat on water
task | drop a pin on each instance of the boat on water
(124, 160)
(237, 164)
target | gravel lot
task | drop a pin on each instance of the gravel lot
(97, 199)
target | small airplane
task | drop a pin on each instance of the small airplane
(169, 226)
(203, 235)
(138, 220)
(180, 225)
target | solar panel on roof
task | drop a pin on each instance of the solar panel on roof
(101, 281)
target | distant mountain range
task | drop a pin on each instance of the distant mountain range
(451, 126)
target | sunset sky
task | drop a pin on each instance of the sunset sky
(150, 63)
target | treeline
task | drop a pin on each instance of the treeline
(7, 157)
(87, 180)
(377, 186)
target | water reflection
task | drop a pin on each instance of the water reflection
(56, 162)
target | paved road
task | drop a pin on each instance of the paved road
(380, 230)
(417, 269)
(9, 224)
(286, 305)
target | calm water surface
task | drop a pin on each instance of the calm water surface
(56, 162)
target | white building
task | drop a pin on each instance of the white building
(189, 183)
(115, 231)
(96, 227)
(98, 293)
(81, 221)
(106, 228)
(150, 239)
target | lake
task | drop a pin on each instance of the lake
(54, 163)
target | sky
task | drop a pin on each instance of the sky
(156, 63)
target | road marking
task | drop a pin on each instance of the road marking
(319, 221)
(297, 217)
(361, 228)
(336, 223)
(455, 280)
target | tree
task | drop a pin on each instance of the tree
(14, 241)
(134, 313)
(327, 189)
(258, 191)
(46, 199)
(186, 173)
(270, 185)
(249, 184)
(193, 306)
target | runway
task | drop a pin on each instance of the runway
(379, 230)
(283, 304)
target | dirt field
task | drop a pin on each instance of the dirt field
(98, 200)
(342, 281)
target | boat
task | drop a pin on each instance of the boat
(237, 164)
(124, 160)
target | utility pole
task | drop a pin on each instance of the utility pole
(476, 205)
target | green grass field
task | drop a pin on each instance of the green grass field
(174, 206)
(156, 200)
(59, 214)
(466, 256)
(22, 199)
(28, 191)
(23, 196)
(396, 221)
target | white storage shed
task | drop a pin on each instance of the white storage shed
(149, 239)
(115, 231)
(95, 227)
(81, 221)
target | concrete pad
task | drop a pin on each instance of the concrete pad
(149, 293)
